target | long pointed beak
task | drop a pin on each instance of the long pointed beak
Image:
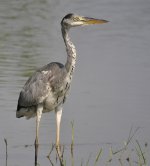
(88, 21)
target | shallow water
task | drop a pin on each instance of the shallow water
(110, 89)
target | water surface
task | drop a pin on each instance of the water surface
(110, 90)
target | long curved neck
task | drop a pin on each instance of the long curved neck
(71, 52)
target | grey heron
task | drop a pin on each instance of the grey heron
(47, 88)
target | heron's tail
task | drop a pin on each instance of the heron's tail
(28, 112)
(20, 112)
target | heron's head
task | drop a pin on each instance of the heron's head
(73, 20)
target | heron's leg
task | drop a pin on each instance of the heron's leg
(58, 112)
(38, 118)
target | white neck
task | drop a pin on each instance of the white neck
(71, 53)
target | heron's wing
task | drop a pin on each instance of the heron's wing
(40, 84)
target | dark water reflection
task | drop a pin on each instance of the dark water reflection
(110, 90)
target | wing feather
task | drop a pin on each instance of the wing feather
(40, 84)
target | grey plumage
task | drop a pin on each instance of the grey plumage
(48, 79)
(47, 88)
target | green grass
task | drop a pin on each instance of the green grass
(131, 153)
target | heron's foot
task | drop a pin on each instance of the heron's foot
(58, 148)
(60, 153)
(36, 144)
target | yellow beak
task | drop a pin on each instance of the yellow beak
(88, 21)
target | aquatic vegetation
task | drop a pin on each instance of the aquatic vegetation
(132, 153)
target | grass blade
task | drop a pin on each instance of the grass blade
(97, 157)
